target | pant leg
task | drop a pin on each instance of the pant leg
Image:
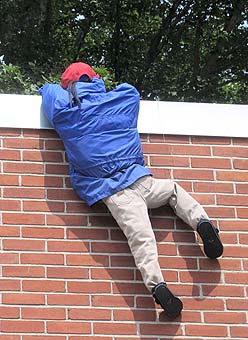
(158, 192)
(130, 211)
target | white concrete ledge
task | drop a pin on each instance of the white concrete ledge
(174, 118)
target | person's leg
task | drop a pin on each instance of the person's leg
(164, 191)
(158, 192)
(129, 209)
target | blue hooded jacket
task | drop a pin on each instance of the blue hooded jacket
(100, 138)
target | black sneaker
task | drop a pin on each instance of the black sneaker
(164, 297)
(212, 244)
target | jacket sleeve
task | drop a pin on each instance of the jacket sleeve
(54, 100)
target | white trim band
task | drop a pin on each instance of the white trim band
(156, 117)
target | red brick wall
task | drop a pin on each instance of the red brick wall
(67, 272)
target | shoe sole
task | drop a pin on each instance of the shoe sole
(212, 244)
(170, 303)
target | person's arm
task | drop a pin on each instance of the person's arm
(54, 100)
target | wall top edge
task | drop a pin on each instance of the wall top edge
(156, 117)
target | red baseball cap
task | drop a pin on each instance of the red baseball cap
(75, 71)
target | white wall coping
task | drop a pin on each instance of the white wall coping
(156, 117)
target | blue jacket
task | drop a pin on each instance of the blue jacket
(100, 138)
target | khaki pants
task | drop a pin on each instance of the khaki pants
(129, 208)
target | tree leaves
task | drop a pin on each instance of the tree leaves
(184, 50)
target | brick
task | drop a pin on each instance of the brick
(43, 156)
(87, 260)
(67, 299)
(237, 176)
(241, 278)
(78, 207)
(193, 174)
(92, 337)
(66, 220)
(225, 317)
(68, 327)
(160, 173)
(236, 251)
(211, 140)
(237, 304)
(9, 284)
(41, 206)
(62, 194)
(112, 274)
(221, 264)
(43, 286)
(185, 237)
(112, 301)
(10, 132)
(10, 205)
(9, 258)
(229, 151)
(42, 337)
(212, 304)
(22, 143)
(87, 233)
(241, 164)
(88, 287)
(23, 299)
(232, 200)
(243, 238)
(23, 271)
(211, 163)
(23, 245)
(178, 263)
(168, 149)
(9, 313)
(167, 249)
(113, 247)
(218, 212)
(44, 133)
(169, 161)
(241, 188)
(55, 259)
(19, 167)
(233, 225)
(42, 181)
(21, 326)
(9, 180)
(23, 218)
(239, 331)
(57, 169)
(122, 261)
(55, 144)
(200, 277)
(11, 231)
(206, 330)
(43, 232)
(43, 313)
(129, 288)
(67, 273)
(153, 329)
(102, 221)
(68, 246)
(240, 141)
(89, 314)
(213, 187)
(23, 192)
(12, 155)
(114, 328)
(225, 291)
(242, 213)
(204, 199)
(134, 315)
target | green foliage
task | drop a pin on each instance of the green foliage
(13, 80)
(180, 50)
